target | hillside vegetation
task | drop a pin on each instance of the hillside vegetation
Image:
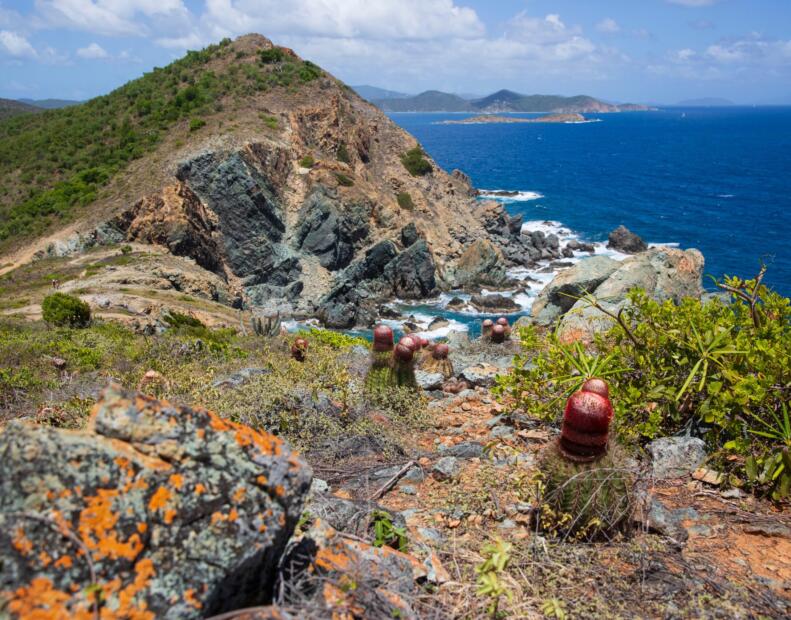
(9, 108)
(55, 162)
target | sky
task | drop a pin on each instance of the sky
(655, 51)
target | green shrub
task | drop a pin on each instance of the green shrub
(269, 121)
(177, 320)
(196, 123)
(333, 339)
(343, 180)
(405, 201)
(415, 162)
(272, 55)
(722, 369)
(307, 162)
(65, 310)
(126, 249)
(343, 154)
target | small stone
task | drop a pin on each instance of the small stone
(407, 489)
(319, 486)
(709, 476)
(59, 363)
(507, 524)
(501, 431)
(430, 534)
(673, 457)
(466, 407)
(446, 468)
(464, 450)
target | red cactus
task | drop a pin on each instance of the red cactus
(597, 386)
(299, 349)
(413, 342)
(586, 423)
(498, 334)
(403, 352)
(440, 351)
(424, 342)
(486, 328)
(383, 338)
(502, 321)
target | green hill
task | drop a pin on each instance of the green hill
(53, 163)
(429, 101)
(10, 107)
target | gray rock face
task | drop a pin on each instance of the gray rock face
(481, 264)
(251, 221)
(624, 240)
(673, 457)
(329, 233)
(559, 296)
(184, 514)
(664, 273)
(382, 273)
(409, 234)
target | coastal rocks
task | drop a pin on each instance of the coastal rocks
(673, 457)
(381, 274)
(481, 264)
(663, 273)
(409, 234)
(560, 294)
(182, 514)
(494, 304)
(624, 240)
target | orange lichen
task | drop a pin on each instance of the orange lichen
(239, 494)
(217, 516)
(200, 489)
(189, 598)
(262, 480)
(64, 561)
(246, 436)
(142, 526)
(96, 523)
(332, 558)
(40, 600)
(127, 608)
(233, 515)
(170, 514)
(44, 558)
(201, 433)
(21, 542)
(159, 499)
(177, 480)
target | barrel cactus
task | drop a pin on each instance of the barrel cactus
(404, 362)
(586, 489)
(437, 360)
(381, 374)
(486, 329)
(299, 349)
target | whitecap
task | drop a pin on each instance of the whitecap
(519, 196)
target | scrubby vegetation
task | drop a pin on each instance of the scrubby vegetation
(55, 162)
(307, 162)
(415, 162)
(314, 404)
(65, 311)
(343, 154)
(405, 201)
(717, 369)
(343, 179)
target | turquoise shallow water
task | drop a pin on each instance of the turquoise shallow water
(718, 179)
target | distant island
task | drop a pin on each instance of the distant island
(494, 118)
(496, 103)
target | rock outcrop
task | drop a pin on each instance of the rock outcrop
(664, 273)
(560, 295)
(155, 511)
(624, 240)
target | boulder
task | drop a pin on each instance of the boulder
(411, 273)
(664, 273)
(495, 304)
(673, 457)
(182, 514)
(325, 570)
(559, 296)
(482, 374)
(624, 240)
(446, 468)
(409, 234)
(481, 264)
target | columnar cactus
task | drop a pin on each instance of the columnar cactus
(381, 374)
(267, 326)
(587, 491)
(299, 349)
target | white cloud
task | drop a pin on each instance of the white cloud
(608, 25)
(108, 17)
(93, 51)
(16, 45)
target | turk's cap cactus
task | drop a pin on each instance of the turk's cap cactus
(440, 351)
(586, 425)
(383, 338)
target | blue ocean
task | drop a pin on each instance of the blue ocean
(717, 179)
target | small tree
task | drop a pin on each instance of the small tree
(65, 310)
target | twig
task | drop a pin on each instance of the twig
(752, 298)
(391, 483)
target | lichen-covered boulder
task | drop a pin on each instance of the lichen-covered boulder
(155, 511)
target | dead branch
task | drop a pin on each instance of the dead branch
(391, 483)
